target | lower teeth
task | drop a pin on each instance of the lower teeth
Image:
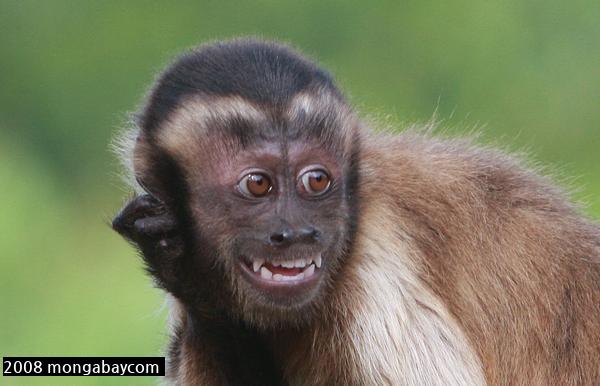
(279, 277)
(266, 274)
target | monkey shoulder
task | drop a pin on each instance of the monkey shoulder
(456, 172)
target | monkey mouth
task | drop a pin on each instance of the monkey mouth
(282, 273)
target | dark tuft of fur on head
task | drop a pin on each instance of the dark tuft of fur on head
(262, 72)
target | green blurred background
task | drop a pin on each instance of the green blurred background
(525, 73)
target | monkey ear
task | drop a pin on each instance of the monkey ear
(158, 173)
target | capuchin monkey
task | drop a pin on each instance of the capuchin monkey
(301, 247)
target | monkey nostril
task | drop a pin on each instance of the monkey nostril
(280, 237)
(309, 233)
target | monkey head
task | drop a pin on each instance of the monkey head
(253, 149)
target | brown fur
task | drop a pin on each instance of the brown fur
(504, 250)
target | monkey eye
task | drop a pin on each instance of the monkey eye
(255, 185)
(315, 182)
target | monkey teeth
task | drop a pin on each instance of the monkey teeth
(306, 268)
(318, 261)
(265, 273)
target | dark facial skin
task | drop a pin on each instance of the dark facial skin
(204, 252)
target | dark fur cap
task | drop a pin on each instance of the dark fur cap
(262, 72)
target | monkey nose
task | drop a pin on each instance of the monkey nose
(287, 236)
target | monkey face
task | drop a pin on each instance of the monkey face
(284, 209)
(264, 204)
(255, 152)
(278, 215)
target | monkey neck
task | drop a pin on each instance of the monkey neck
(226, 350)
